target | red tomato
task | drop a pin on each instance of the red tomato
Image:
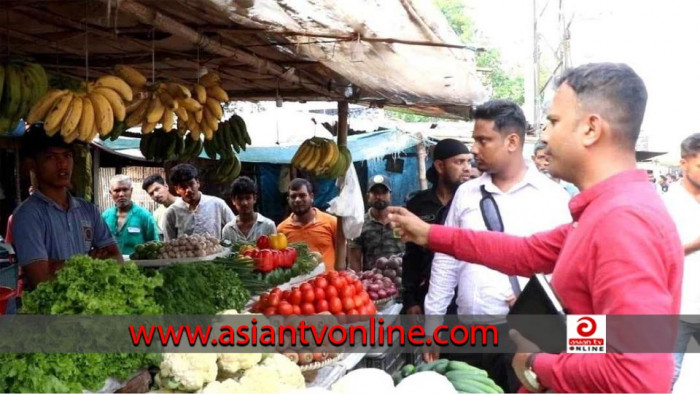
(307, 309)
(362, 310)
(333, 274)
(358, 300)
(270, 310)
(353, 311)
(284, 308)
(263, 299)
(335, 305)
(371, 309)
(308, 295)
(348, 292)
(274, 299)
(331, 292)
(276, 290)
(365, 297)
(358, 287)
(348, 303)
(336, 282)
(343, 281)
(297, 309)
(321, 306)
(295, 297)
(285, 295)
(306, 286)
(320, 282)
(319, 293)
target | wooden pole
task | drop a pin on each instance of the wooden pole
(422, 181)
(340, 243)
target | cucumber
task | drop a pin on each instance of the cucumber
(441, 368)
(461, 375)
(473, 386)
(397, 376)
(459, 365)
(408, 369)
(431, 365)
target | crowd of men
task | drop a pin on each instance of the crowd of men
(580, 212)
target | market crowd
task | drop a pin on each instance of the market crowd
(612, 238)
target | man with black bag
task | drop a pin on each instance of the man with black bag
(509, 197)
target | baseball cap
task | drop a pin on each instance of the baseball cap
(379, 180)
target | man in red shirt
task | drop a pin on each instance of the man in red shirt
(621, 256)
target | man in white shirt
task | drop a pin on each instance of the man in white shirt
(194, 212)
(248, 225)
(528, 202)
(683, 203)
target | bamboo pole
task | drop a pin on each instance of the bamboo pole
(422, 181)
(340, 243)
(165, 23)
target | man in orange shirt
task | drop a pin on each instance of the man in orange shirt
(308, 224)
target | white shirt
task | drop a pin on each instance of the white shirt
(262, 226)
(209, 217)
(535, 204)
(685, 211)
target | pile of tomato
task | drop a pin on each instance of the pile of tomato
(339, 293)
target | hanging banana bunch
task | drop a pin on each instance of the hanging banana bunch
(322, 157)
(21, 86)
(83, 115)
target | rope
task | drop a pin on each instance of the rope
(153, 56)
(87, 54)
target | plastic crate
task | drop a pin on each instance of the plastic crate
(390, 360)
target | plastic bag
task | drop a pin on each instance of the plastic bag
(349, 204)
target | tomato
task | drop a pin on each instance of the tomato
(320, 282)
(362, 310)
(285, 308)
(285, 294)
(297, 309)
(348, 303)
(348, 292)
(321, 306)
(358, 287)
(335, 305)
(306, 286)
(307, 309)
(295, 297)
(274, 299)
(336, 282)
(331, 292)
(371, 309)
(319, 293)
(308, 296)
(270, 310)
(276, 290)
(332, 274)
(358, 300)
(343, 281)
(263, 298)
(365, 297)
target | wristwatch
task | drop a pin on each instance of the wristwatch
(530, 375)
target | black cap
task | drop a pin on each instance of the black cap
(379, 180)
(445, 149)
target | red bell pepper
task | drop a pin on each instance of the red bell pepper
(290, 254)
(278, 258)
(267, 262)
(263, 242)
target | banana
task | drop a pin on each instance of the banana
(199, 115)
(178, 91)
(52, 122)
(192, 125)
(236, 169)
(68, 139)
(215, 108)
(87, 120)
(115, 101)
(117, 84)
(190, 104)
(334, 153)
(72, 116)
(131, 75)
(42, 78)
(313, 164)
(226, 134)
(210, 119)
(243, 129)
(208, 131)
(42, 107)
(196, 134)
(12, 94)
(307, 154)
(347, 159)
(137, 115)
(181, 126)
(132, 106)
(200, 93)
(209, 80)
(2, 80)
(217, 93)
(181, 113)
(168, 100)
(147, 127)
(167, 120)
(325, 153)
(155, 110)
(104, 117)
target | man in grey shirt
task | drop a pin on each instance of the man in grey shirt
(195, 212)
(248, 225)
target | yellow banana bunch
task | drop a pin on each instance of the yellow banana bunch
(322, 157)
(21, 86)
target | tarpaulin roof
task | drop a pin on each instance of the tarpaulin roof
(362, 146)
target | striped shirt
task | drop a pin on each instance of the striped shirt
(43, 230)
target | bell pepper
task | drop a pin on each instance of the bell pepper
(263, 242)
(278, 258)
(290, 255)
(278, 241)
(266, 261)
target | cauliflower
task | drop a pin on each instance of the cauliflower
(275, 374)
(186, 371)
(228, 386)
(230, 363)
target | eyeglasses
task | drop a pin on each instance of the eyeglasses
(489, 211)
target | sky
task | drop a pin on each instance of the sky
(658, 39)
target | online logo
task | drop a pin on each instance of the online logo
(585, 333)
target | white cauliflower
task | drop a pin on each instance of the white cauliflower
(186, 371)
(274, 375)
(230, 363)
(228, 386)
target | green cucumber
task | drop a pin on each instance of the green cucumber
(473, 386)
(408, 369)
(431, 365)
(459, 365)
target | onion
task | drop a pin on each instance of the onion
(373, 295)
(378, 276)
(381, 294)
(373, 287)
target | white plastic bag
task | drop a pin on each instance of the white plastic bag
(349, 204)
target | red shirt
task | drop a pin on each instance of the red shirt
(622, 255)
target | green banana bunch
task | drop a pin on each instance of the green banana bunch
(21, 86)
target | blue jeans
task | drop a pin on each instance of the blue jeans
(685, 331)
